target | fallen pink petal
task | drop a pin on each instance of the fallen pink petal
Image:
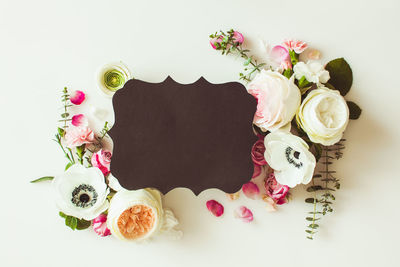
(250, 190)
(244, 214)
(100, 225)
(79, 120)
(77, 97)
(215, 207)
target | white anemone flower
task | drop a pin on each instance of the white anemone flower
(81, 192)
(290, 158)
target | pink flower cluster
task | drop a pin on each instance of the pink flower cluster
(237, 38)
(275, 190)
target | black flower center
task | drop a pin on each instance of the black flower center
(292, 156)
(84, 196)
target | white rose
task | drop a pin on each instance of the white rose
(312, 70)
(138, 215)
(323, 115)
(278, 99)
(290, 158)
(81, 192)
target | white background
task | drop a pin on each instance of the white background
(46, 45)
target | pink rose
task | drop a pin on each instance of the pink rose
(77, 136)
(275, 190)
(295, 45)
(278, 99)
(100, 225)
(102, 159)
(257, 153)
(238, 37)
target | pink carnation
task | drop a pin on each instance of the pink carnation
(77, 136)
(296, 45)
(257, 153)
(275, 190)
(102, 159)
(77, 97)
(100, 225)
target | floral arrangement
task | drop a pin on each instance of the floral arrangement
(300, 119)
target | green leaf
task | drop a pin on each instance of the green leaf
(68, 165)
(61, 131)
(83, 224)
(45, 178)
(71, 222)
(341, 75)
(294, 58)
(65, 115)
(62, 214)
(309, 231)
(303, 83)
(288, 73)
(310, 200)
(247, 62)
(75, 223)
(355, 110)
(312, 219)
(80, 150)
(313, 226)
(314, 188)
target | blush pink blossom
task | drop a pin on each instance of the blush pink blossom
(215, 207)
(79, 120)
(257, 153)
(238, 37)
(295, 45)
(250, 190)
(77, 97)
(244, 214)
(275, 190)
(100, 225)
(77, 136)
(102, 159)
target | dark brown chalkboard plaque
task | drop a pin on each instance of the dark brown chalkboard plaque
(169, 135)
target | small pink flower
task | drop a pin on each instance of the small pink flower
(275, 190)
(257, 171)
(77, 97)
(250, 190)
(77, 136)
(257, 153)
(100, 225)
(216, 40)
(102, 159)
(215, 208)
(79, 120)
(296, 45)
(244, 214)
(238, 37)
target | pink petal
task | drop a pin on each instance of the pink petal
(244, 214)
(257, 171)
(79, 120)
(250, 190)
(215, 207)
(279, 54)
(238, 37)
(77, 97)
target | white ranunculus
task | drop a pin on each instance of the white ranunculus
(278, 99)
(290, 158)
(81, 192)
(312, 70)
(138, 215)
(324, 116)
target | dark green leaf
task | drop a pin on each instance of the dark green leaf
(313, 226)
(80, 150)
(355, 110)
(309, 237)
(314, 188)
(309, 231)
(312, 219)
(310, 200)
(83, 224)
(65, 115)
(61, 131)
(341, 75)
(45, 178)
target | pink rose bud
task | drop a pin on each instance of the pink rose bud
(77, 136)
(244, 214)
(295, 45)
(250, 190)
(79, 120)
(102, 159)
(275, 190)
(257, 153)
(238, 37)
(215, 208)
(77, 97)
(100, 225)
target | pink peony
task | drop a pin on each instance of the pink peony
(77, 97)
(244, 214)
(102, 159)
(250, 190)
(79, 120)
(295, 45)
(238, 37)
(77, 136)
(275, 190)
(215, 207)
(257, 153)
(100, 225)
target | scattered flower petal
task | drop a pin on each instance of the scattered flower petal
(79, 120)
(244, 214)
(233, 196)
(100, 225)
(271, 205)
(215, 208)
(250, 190)
(77, 97)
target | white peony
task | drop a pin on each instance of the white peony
(81, 192)
(138, 215)
(312, 70)
(290, 158)
(324, 116)
(278, 99)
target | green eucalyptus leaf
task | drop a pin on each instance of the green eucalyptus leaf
(314, 188)
(313, 226)
(355, 110)
(41, 179)
(310, 200)
(341, 75)
(65, 115)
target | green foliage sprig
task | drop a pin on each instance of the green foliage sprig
(75, 223)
